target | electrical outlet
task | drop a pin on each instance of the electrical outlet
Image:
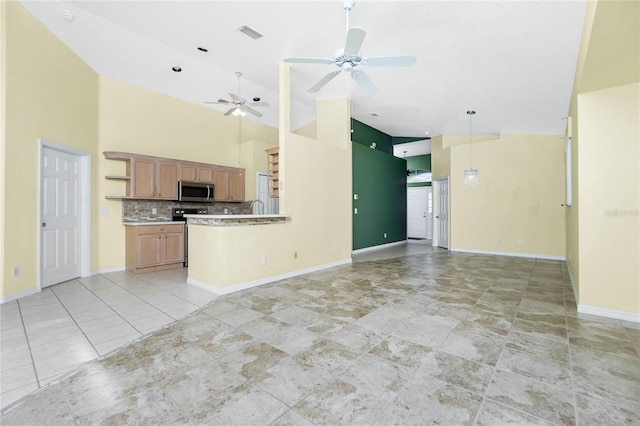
(226, 211)
(15, 271)
(519, 242)
(499, 241)
(335, 248)
(154, 211)
(385, 235)
(355, 211)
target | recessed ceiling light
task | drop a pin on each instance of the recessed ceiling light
(374, 114)
(176, 69)
(426, 133)
(203, 49)
(68, 16)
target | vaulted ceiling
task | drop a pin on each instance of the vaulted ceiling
(511, 61)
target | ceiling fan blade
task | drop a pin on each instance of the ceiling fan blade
(237, 98)
(355, 38)
(324, 80)
(230, 111)
(259, 104)
(219, 102)
(364, 82)
(308, 61)
(252, 111)
(390, 61)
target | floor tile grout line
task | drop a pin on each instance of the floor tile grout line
(26, 336)
(147, 302)
(118, 313)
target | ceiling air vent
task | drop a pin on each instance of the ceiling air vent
(250, 32)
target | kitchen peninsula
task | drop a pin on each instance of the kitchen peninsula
(232, 252)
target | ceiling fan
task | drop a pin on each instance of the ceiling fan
(349, 58)
(239, 105)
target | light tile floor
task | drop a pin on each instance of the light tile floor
(49, 334)
(409, 335)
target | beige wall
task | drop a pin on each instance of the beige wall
(50, 94)
(254, 159)
(440, 159)
(315, 191)
(3, 128)
(519, 196)
(604, 140)
(609, 225)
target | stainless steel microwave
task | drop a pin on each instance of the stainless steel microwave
(198, 192)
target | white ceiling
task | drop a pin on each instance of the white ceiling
(511, 61)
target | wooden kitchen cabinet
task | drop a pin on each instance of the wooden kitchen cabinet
(228, 185)
(195, 172)
(148, 177)
(154, 247)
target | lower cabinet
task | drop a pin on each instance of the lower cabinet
(154, 247)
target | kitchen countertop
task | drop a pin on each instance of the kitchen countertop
(151, 222)
(236, 216)
(236, 219)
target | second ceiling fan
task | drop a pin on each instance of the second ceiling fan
(349, 59)
(239, 105)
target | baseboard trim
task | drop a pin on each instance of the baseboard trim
(18, 295)
(381, 246)
(107, 270)
(608, 313)
(244, 286)
(510, 254)
(573, 285)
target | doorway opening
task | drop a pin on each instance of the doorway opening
(441, 210)
(270, 205)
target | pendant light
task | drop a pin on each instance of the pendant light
(471, 175)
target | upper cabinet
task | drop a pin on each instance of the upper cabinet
(228, 184)
(195, 172)
(155, 178)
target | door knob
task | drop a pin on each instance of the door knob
(44, 224)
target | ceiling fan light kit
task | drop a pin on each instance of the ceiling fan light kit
(239, 105)
(349, 57)
(471, 175)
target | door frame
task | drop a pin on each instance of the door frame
(436, 188)
(84, 208)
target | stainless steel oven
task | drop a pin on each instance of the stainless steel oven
(177, 215)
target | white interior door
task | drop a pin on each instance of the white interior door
(429, 212)
(60, 217)
(270, 205)
(417, 208)
(442, 212)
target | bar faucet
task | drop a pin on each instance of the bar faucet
(254, 202)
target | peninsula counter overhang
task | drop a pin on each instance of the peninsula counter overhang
(235, 219)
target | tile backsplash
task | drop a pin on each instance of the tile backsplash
(141, 210)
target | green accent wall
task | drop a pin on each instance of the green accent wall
(366, 135)
(380, 181)
(422, 162)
